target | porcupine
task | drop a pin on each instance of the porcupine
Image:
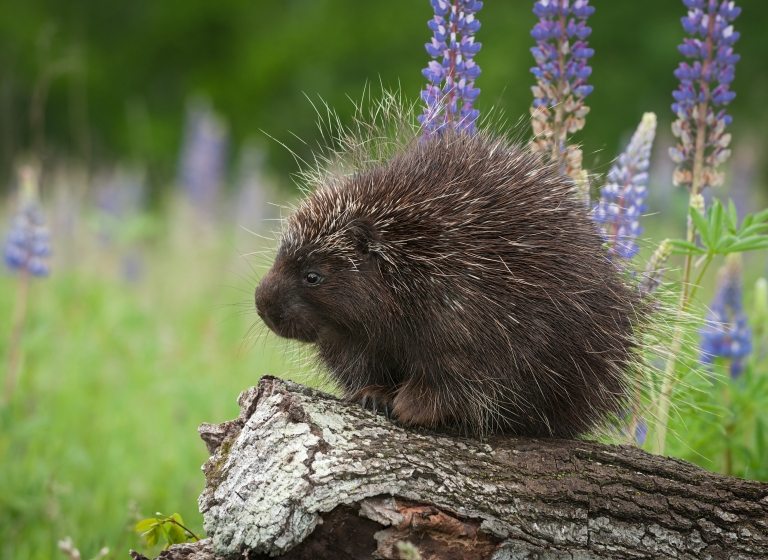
(460, 284)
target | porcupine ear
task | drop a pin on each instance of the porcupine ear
(363, 236)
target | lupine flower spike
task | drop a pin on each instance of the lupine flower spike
(726, 333)
(26, 252)
(561, 71)
(641, 432)
(450, 94)
(622, 198)
(703, 93)
(27, 247)
(654, 270)
(203, 155)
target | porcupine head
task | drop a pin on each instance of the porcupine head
(458, 283)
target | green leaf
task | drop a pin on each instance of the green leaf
(146, 524)
(715, 222)
(680, 246)
(172, 530)
(149, 529)
(182, 533)
(176, 534)
(166, 534)
(762, 216)
(700, 223)
(733, 216)
(724, 243)
(153, 536)
(752, 243)
(752, 229)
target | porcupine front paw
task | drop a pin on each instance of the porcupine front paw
(416, 405)
(375, 398)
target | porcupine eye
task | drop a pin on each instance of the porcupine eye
(313, 278)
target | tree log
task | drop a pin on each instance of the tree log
(302, 475)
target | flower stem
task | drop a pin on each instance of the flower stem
(662, 411)
(183, 528)
(662, 415)
(17, 336)
(450, 79)
(686, 294)
(729, 430)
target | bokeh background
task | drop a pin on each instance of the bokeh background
(164, 134)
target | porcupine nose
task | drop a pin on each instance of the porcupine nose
(265, 297)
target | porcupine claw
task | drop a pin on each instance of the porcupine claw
(376, 400)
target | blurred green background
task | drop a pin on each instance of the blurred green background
(144, 328)
(115, 75)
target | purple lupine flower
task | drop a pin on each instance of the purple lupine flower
(203, 155)
(703, 93)
(28, 245)
(252, 188)
(622, 198)
(450, 94)
(121, 193)
(561, 54)
(641, 432)
(726, 333)
(118, 196)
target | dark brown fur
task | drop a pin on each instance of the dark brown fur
(463, 285)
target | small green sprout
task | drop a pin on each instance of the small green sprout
(168, 529)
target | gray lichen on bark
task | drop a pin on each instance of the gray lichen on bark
(299, 471)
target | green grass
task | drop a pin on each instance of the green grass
(116, 379)
(102, 429)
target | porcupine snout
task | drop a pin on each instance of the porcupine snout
(281, 307)
(267, 300)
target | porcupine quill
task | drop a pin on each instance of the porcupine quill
(457, 281)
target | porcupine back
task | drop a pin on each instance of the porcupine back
(472, 289)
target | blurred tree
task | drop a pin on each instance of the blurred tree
(117, 74)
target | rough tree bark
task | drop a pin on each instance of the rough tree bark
(301, 475)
